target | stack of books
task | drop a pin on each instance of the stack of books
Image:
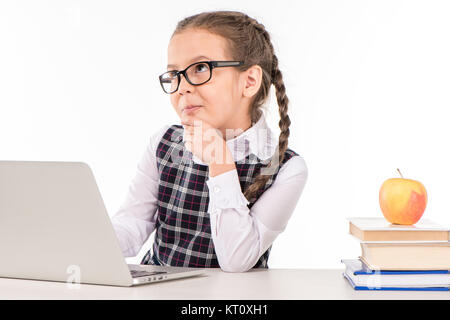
(399, 257)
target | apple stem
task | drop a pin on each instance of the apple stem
(400, 173)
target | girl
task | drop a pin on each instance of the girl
(219, 188)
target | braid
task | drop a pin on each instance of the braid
(284, 123)
(283, 103)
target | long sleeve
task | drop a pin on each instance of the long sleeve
(241, 235)
(135, 220)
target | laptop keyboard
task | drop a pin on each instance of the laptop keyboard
(139, 273)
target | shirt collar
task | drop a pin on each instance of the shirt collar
(258, 140)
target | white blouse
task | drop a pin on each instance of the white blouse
(240, 235)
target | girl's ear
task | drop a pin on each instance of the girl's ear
(252, 80)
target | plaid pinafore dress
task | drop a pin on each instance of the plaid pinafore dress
(183, 230)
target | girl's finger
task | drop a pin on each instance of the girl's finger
(188, 130)
(187, 137)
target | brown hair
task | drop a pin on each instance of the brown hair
(250, 42)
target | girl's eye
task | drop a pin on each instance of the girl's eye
(202, 67)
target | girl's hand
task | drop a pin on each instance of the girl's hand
(205, 141)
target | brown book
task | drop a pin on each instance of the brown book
(406, 256)
(379, 229)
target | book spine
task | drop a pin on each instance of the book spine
(406, 256)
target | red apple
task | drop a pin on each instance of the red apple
(402, 201)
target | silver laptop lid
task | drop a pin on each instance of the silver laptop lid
(54, 225)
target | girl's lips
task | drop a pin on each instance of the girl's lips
(191, 109)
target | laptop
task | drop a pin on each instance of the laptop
(54, 226)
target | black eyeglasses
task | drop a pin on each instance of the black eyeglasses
(196, 74)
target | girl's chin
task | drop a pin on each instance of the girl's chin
(194, 115)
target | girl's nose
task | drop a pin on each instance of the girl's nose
(185, 86)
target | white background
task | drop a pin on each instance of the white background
(368, 84)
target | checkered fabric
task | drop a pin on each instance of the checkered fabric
(183, 230)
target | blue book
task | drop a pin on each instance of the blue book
(359, 267)
(363, 278)
(355, 287)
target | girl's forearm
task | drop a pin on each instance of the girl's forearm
(221, 163)
(217, 168)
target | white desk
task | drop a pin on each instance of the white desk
(272, 284)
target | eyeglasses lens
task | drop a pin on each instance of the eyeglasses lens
(197, 74)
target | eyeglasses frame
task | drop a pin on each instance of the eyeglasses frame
(211, 64)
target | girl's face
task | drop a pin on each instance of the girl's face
(222, 102)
